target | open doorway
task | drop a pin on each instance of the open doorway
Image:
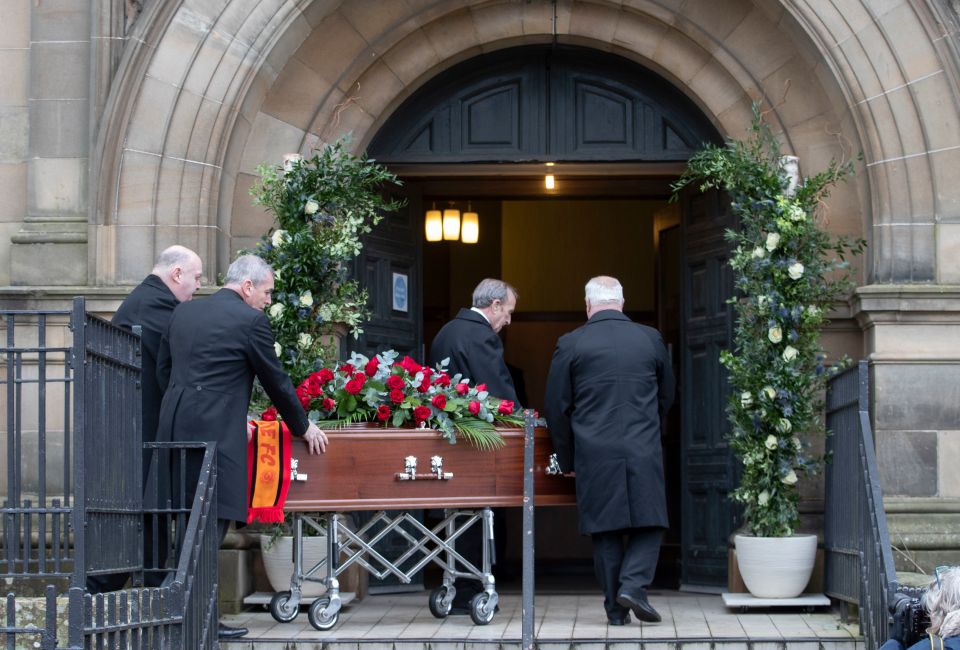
(548, 247)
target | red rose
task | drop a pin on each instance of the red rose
(424, 385)
(442, 380)
(420, 413)
(371, 368)
(270, 415)
(304, 397)
(383, 412)
(474, 407)
(463, 389)
(323, 375)
(347, 369)
(506, 407)
(481, 388)
(360, 378)
(329, 404)
(314, 387)
(427, 371)
(410, 365)
(439, 401)
(396, 396)
(395, 382)
(353, 386)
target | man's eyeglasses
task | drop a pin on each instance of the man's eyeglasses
(941, 570)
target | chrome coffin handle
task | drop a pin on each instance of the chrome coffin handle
(294, 474)
(409, 472)
(553, 466)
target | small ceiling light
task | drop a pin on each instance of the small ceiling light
(451, 224)
(434, 224)
(549, 181)
(470, 228)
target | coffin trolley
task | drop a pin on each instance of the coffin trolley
(368, 467)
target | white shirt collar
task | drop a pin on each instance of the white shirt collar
(480, 311)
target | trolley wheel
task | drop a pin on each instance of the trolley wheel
(318, 616)
(435, 603)
(281, 607)
(478, 611)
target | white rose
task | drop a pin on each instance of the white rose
(276, 309)
(775, 334)
(796, 443)
(311, 207)
(770, 392)
(790, 353)
(304, 341)
(795, 271)
(797, 213)
(763, 498)
(306, 299)
(771, 442)
(279, 236)
(790, 478)
(758, 253)
(762, 301)
(773, 240)
(784, 425)
(746, 399)
(277, 349)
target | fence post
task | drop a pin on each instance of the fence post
(527, 611)
(78, 360)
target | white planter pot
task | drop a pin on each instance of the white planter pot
(776, 567)
(278, 562)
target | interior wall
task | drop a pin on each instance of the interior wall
(549, 249)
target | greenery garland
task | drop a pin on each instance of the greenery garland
(788, 273)
(323, 205)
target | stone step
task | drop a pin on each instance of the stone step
(570, 621)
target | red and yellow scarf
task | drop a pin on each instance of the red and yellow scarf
(268, 471)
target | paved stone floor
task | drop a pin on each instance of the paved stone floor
(690, 621)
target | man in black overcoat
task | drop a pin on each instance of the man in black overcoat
(609, 386)
(209, 356)
(174, 279)
(471, 343)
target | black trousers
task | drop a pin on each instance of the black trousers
(625, 560)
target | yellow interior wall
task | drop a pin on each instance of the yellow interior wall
(549, 249)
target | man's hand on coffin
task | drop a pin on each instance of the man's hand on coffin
(316, 439)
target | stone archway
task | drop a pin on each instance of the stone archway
(211, 89)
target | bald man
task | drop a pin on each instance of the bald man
(174, 279)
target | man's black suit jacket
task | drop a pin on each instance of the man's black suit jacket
(150, 306)
(209, 356)
(476, 352)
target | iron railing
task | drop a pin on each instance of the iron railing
(858, 558)
(36, 379)
(73, 506)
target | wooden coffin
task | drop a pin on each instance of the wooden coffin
(359, 472)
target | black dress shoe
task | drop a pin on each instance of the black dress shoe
(618, 620)
(230, 632)
(639, 606)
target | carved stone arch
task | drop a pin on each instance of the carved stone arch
(562, 103)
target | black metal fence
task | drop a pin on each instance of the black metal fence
(859, 562)
(73, 506)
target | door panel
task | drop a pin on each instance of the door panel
(389, 268)
(708, 469)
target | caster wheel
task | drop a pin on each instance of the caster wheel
(282, 608)
(435, 603)
(478, 611)
(318, 617)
